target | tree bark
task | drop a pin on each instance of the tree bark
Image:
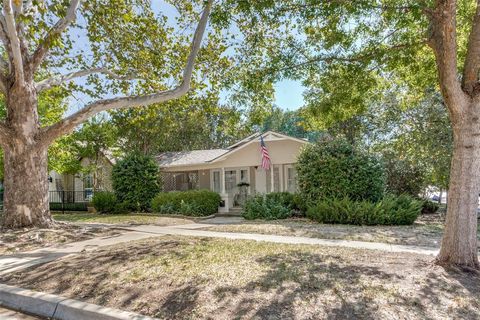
(459, 243)
(25, 163)
(26, 188)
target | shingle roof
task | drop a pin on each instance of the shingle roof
(168, 159)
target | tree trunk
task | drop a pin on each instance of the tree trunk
(459, 243)
(25, 163)
(26, 189)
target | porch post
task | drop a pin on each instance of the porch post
(222, 179)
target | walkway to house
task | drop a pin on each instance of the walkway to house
(12, 263)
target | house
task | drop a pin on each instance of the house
(235, 170)
(74, 190)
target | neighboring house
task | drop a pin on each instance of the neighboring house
(79, 187)
(222, 170)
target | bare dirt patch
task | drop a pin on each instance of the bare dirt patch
(426, 231)
(16, 241)
(198, 278)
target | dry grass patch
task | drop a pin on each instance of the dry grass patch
(426, 231)
(131, 218)
(15, 241)
(198, 278)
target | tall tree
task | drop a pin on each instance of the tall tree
(343, 51)
(32, 45)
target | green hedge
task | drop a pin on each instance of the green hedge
(191, 203)
(276, 205)
(104, 202)
(391, 210)
(335, 169)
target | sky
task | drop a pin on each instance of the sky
(288, 93)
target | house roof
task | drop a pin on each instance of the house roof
(181, 158)
(185, 158)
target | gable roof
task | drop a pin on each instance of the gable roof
(184, 158)
(181, 158)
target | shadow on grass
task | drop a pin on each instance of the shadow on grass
(295, 284)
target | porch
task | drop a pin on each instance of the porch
(234, 184)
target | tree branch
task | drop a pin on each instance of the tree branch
(443, 41)
(472, 60)
(14, 41)
(62, 24)
(62, 78)
(69, 123)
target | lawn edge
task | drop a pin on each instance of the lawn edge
(58, 307)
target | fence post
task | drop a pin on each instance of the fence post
(63, 201)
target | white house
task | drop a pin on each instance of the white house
(222, 170)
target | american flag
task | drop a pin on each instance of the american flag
(265, 155)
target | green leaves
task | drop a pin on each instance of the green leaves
(334, 169)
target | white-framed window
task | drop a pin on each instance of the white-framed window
(88, 186)
(215, 181)
(291, 178)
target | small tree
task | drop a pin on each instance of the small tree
(334, 169)
(135, 181)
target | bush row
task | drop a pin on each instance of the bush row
(107, 202)
(191, 203)
(276, 205)
(391, 210)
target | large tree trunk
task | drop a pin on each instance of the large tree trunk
(26, 188)
(25, 163)
(459, 243)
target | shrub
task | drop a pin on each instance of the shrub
(135, 181)
(193, 203)
(391, 210)
(286, 199)
(104, 202)
(403, 177)
(334, 169)
(269, 207)
(429, 207)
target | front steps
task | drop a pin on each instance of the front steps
(233, 212)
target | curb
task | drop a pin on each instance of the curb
(57, 307)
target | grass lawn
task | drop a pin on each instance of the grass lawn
(198, 278)
(131, 218)
(15, 241)
(426, 231)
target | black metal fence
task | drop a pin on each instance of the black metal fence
(70, 200)
(65, 200)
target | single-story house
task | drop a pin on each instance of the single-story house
(235, 170)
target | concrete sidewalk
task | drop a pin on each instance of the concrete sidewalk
(18, 261)
(189, 230)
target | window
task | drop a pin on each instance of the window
(88, 186)
(230, 180)
(276, 179)
(244, 175)
(291, 179)
(216, 181)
